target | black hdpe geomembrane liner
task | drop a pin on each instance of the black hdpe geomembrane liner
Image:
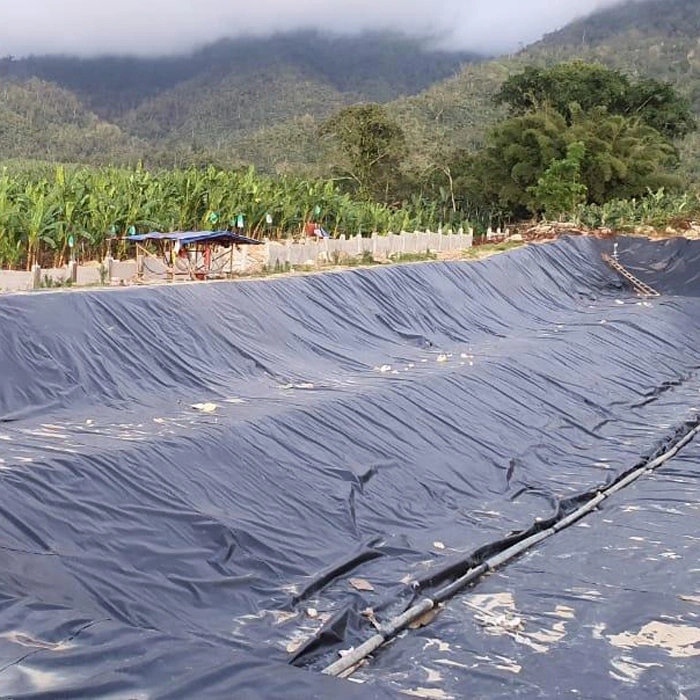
(205, 489)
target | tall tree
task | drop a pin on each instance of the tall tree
(517, 153)
(372, 146)
(589, 86)
(624, 156)
(621, 158)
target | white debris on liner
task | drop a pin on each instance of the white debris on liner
(433, 675)
(361, 584)
(25, 640)
(496, 613)
(205, 407)
(629, 670)
(429, 693)
(565, 612)
(442, 647)
(679, 641)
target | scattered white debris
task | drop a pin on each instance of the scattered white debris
(679, 641)
(441, 646)
(628, 670)
(565, 612)
(294, 645)
(205, 407)
(433, 675)
(429, 693)
(361, 584)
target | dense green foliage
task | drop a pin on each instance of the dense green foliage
(371, 145)
(656, 210)
(558, 151)
(42, 208)
(592, 85)
(650, 38)
(559, 190)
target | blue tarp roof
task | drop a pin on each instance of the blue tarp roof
(187, 237)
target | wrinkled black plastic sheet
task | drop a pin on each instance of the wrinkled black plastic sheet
(608, 608)
(377, 425)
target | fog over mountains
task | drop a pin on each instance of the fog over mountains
(156, 27)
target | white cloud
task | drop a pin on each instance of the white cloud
(149, 27)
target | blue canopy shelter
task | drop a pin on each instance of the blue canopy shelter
(191, 237)
(195, 254)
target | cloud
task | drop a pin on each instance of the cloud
(152, 27)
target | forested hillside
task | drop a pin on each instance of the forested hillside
(652, 38)
(204, 103)
(262, 101)
(40, 120)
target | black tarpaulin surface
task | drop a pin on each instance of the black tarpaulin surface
(201, 484)
(608, 608)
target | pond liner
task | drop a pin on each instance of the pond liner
(508, 551)
(211, 490)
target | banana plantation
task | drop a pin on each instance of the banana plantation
(52, 215)
(656, 210)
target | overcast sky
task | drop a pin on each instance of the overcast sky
(149, 27)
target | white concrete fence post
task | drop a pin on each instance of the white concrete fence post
(72, 271)
(36, 277)
(108, 268)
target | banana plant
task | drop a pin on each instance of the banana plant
(38, 220)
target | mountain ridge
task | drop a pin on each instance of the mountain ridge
(261, 101)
